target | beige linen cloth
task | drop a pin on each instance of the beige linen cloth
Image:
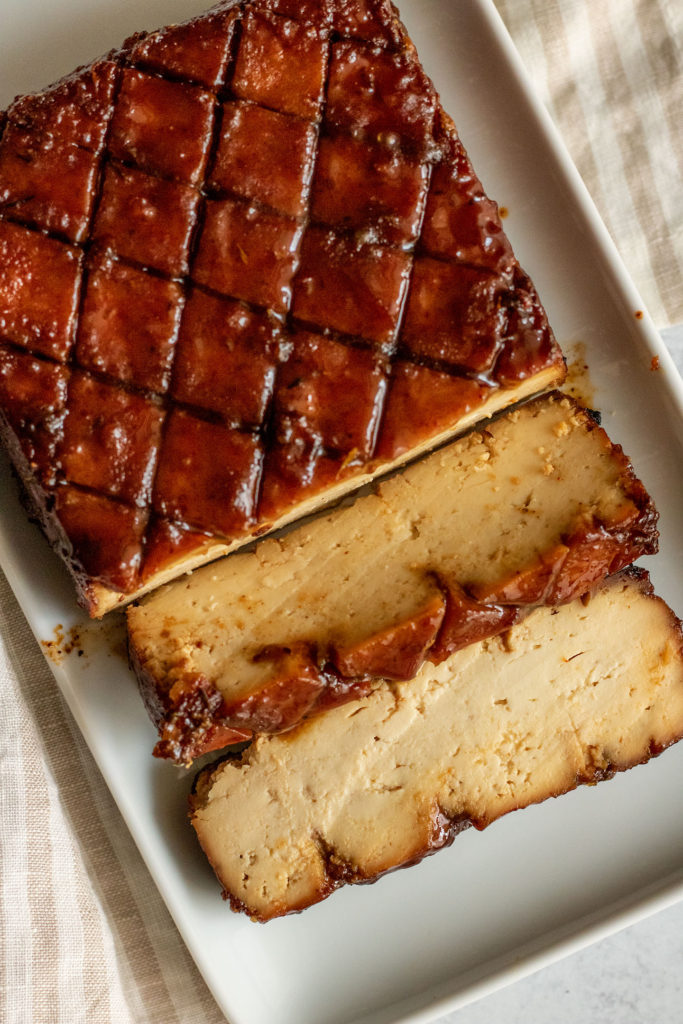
(84, 935)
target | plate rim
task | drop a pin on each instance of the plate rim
(580, 933)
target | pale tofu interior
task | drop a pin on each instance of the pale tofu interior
(500, 725)
(476, 511)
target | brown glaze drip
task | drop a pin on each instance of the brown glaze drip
(397, 652)
(467, 621)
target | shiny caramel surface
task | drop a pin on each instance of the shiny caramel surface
(243, 260)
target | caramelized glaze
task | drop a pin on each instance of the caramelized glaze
(256, 257)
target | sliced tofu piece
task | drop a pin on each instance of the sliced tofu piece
(571, 695)
(532, 510)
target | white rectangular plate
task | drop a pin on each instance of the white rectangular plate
(536, 884)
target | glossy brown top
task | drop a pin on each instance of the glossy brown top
(246, 258)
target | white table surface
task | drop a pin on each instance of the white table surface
(633, 977)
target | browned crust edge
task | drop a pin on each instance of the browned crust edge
(39, 507)
(445, 828)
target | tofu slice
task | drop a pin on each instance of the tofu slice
(571, 695)
(457, 547)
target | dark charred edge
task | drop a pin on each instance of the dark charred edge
(204, 778)
(193, 725)
(39, 506)
(147, 685)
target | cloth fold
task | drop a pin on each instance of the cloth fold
(84, 935)
(611, 75)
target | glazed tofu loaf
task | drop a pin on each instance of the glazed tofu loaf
(245, 266)
(572, 695)
(455, 548)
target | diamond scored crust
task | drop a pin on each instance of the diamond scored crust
(244, 262)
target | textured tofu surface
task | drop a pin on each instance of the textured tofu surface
(572, 695)
(532, 510)
(247, 265)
